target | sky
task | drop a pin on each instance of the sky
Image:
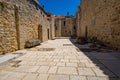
(60, 7)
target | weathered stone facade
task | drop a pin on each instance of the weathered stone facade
(101, 19)
(21, 20)
(65, 26)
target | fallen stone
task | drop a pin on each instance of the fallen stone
(32, 43)
(81, 40)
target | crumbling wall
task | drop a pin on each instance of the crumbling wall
(101, 19)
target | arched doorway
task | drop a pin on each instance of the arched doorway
(40, 33)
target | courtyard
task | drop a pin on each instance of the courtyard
(61, 59)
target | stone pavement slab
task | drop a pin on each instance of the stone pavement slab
(67, 70)
(75, 77)
(86, 72)
(58, 77)
(65, 62)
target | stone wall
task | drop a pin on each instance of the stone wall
(22, 22)
(8, 36)
(65, 27)
(58, 27)
(77, 21)
(68, 27)
(101, 19)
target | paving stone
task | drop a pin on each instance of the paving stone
(91, 65)
(74, 60)
(56, 60)
(74, 77)
(30, 76)
(60, 64)
(86, 72)
(81, 65)
(67, 70)
(58, 77)
(71, 64)
(43, 69)
(64, 60)
(52, 69)
(27, 68)
(52, 64)
(113, 65)
(97, 78)
(42, 63)
(103, 72)
(4, 75)
(16, 76)
(70, 57)
(42, 77)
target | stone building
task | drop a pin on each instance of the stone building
(21, 20)
(65, 26)
(100, 19)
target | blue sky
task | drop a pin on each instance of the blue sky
(60, 7)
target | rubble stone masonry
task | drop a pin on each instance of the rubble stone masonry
(101, 19)
(21, 20)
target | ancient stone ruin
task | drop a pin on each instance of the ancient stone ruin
(22, 20)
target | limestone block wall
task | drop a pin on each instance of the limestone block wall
(68, 27)
(52, 27)
(58, 23)
(20, 22)
(101, 19)
(28, 21)
(77, 21)
(8, 36)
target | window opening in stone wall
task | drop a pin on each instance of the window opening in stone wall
(40, 32)
(86, 31)
(48, 33)
(64, 23)
(74, 28)
(55, 27)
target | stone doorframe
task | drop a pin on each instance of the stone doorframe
(16, 12)
(40, 32)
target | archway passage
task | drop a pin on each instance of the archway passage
(40, 32)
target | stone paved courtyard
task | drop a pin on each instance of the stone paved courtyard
(59, 59)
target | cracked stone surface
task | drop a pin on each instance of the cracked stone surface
(62, 63)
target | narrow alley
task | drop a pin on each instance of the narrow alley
(61, 59)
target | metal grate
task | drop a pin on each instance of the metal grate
(67, 44)
(42, 49)
(46, 49)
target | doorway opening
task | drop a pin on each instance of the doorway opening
(86, 31)
(48, 33)
(40, 32)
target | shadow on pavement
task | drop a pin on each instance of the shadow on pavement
(107, 61)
